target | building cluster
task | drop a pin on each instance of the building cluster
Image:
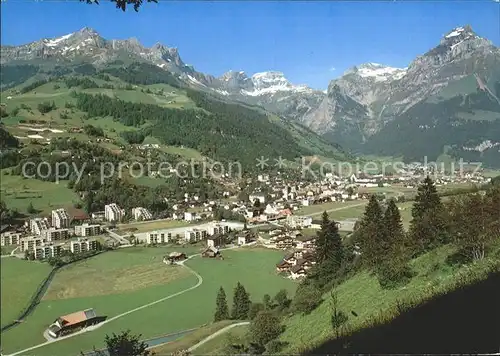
(49, 237)
(185, 235)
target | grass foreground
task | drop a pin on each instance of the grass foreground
(372, 304)
(254, 268)
(20, 280)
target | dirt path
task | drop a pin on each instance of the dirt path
(217, 333)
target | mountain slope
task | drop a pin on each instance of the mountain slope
(437, 103)
(146, 101)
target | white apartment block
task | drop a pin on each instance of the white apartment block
(189, 216)
(38, 225)
(60, 218)
(55, 234)
(140, 213)
(31, 242)
(158, 237)
(85, 230)
(10, 238)
(295, 221)
(83, 245)
(194, 235)
(216, 228)
(47, 251)
(112, 212)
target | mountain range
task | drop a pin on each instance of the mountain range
(446, 101)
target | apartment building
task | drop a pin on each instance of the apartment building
(216, 228)
(86, 230)
(60, 218)
(10, 238)
(48, 251)
(53, 234)
(112, 212)
(295, 221)
(31, 242)
(82, 245)
(38, 225)
(141, 213)
(193, 235)
(159, 237)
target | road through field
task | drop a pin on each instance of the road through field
(217, 333)
(94, 327)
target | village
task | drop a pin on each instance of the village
(279, 213)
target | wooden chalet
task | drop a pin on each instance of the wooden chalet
(284, 242)
(174, 257)
(211, 252)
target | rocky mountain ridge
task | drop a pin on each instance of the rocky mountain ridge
(355, 109)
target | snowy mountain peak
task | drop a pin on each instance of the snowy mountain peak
(377, 72)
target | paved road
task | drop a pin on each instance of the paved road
(12, 254)
(217, 333)
(97, 326)
(117, 237)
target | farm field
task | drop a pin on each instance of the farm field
(254, 268)
(19, 279)
(319, 208)
(18, 192)
(115, 272)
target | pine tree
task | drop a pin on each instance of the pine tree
(222, 310)
(241, 303)
(427, 227)
(324, 242)
(370, 234)
(393, 268)
(329, 251)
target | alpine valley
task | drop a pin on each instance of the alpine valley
(446, 102)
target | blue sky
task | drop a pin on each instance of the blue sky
(311, 42)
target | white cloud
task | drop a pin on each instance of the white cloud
(496, 1)
(332, 69)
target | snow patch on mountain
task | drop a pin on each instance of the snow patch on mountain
(380, 72)
(456, 32)
(56, 41)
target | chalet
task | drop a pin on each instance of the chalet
(284, 242)
(297, 272)
(291, 259)
(306, 242)
(174, 257)
(73, 322)
(283, 266)
(211, 252)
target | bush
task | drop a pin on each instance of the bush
(46, 107)
(307, 298)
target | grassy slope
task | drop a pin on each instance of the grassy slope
(45, 196)
(191, 339)
(363, 295)
(20, 280)
(217, 344)
(253, 268)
